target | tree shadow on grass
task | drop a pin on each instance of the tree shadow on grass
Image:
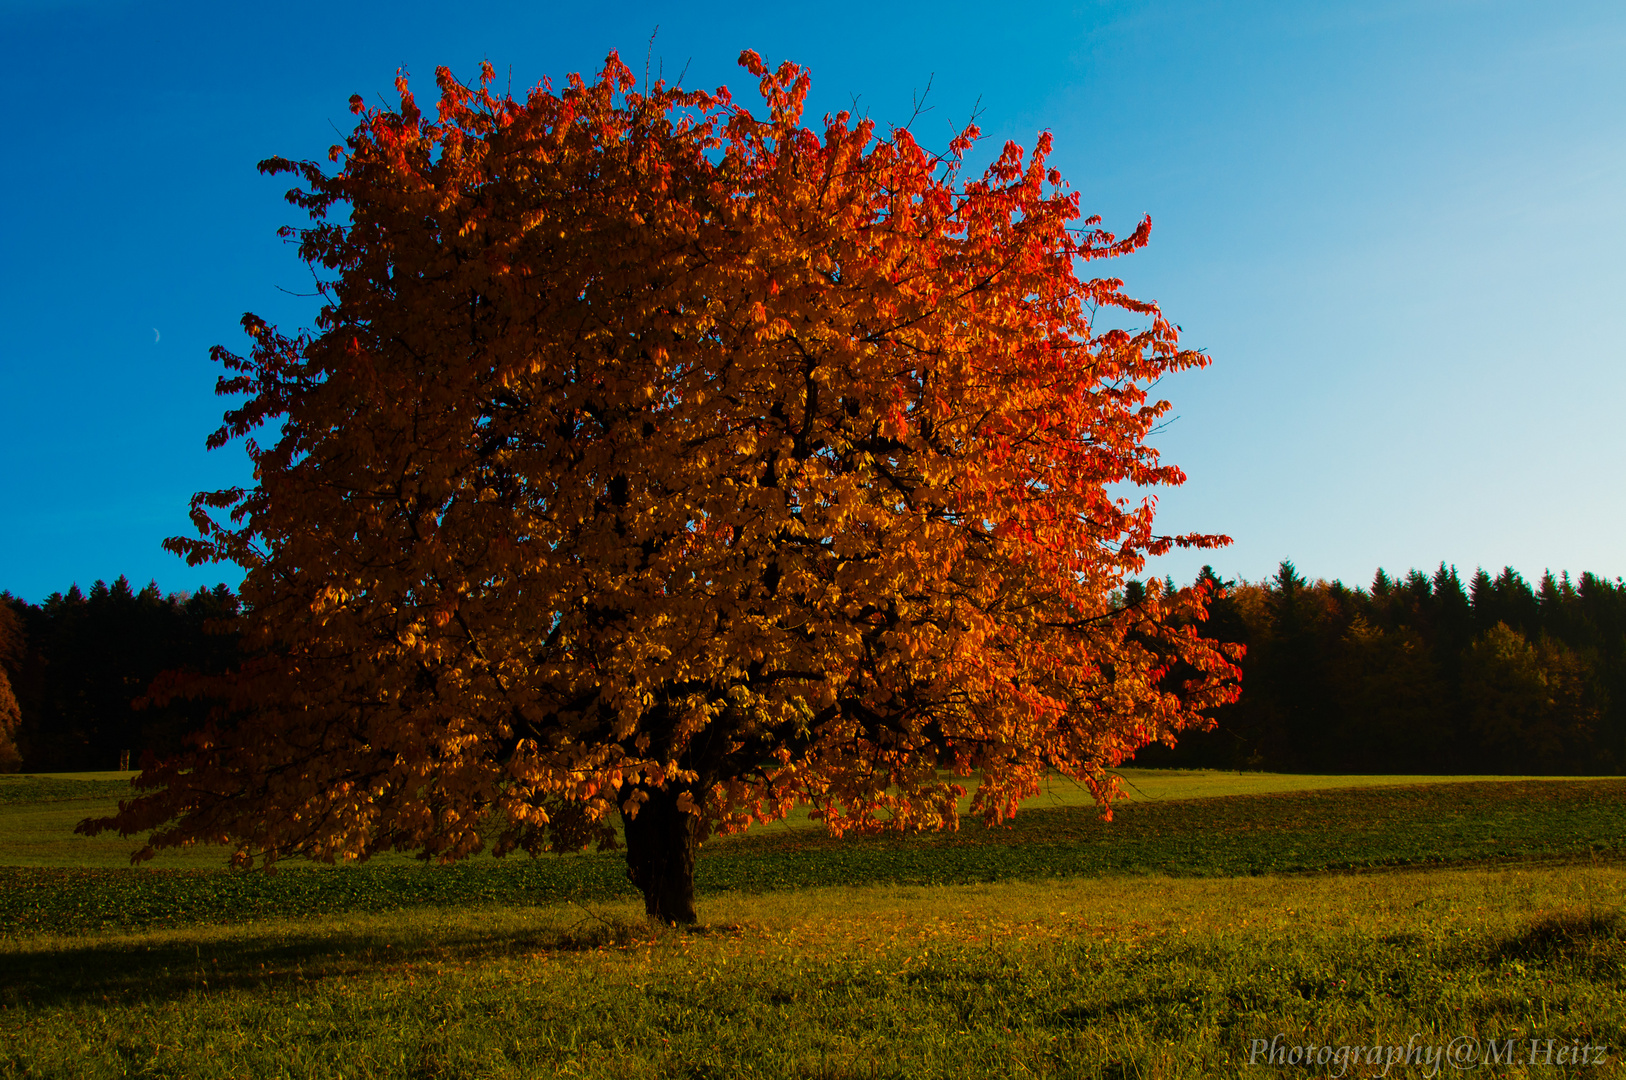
(1572, 935)
(177, 968)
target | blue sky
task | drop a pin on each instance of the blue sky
(1397, 228)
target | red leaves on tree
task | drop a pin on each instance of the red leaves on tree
(654, 457)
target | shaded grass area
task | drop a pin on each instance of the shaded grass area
(1291, 832)
(1108, 977)
(63, 787)
(38, 813)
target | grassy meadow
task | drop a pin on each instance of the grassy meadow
(1217, 912)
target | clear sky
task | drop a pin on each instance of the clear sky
(1398, 228)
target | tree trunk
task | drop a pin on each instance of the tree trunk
(661, 845)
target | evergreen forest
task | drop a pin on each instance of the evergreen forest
(1423, 673)
(1419, 674)
(79, 669)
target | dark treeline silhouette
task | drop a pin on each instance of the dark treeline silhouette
(1419, 674)
(77, 665)
(1416, 674)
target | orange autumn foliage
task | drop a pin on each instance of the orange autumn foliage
(651, 453)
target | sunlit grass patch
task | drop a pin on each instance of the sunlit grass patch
(1148, 976)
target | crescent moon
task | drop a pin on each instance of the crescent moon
(155, 335)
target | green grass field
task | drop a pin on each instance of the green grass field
(1217, 910)
(38, 813)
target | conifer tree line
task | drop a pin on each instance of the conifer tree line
(1421, 673)
(74, 672)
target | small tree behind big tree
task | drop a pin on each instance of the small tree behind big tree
(652, 457)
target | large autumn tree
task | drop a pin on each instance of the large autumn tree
(658, 458)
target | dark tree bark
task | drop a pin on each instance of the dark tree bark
(662, 841)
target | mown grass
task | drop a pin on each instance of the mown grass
(1162, 944)
(1144, 976)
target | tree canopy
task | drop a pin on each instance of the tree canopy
(11, 647)
(654, 457)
